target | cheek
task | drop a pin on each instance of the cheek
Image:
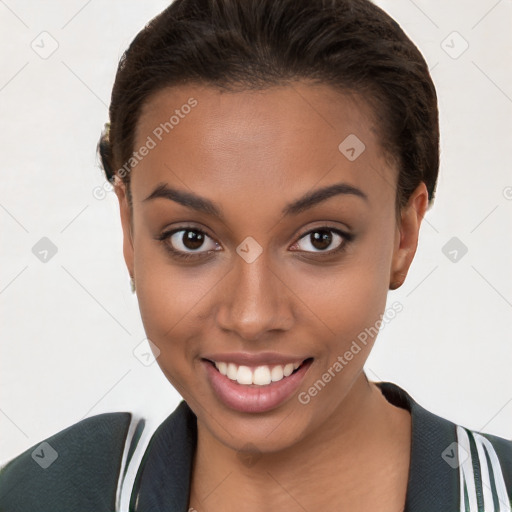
(170, 300)
(348, 298)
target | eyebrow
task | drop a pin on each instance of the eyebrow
(201, 204)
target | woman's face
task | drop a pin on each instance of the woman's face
(276, 273)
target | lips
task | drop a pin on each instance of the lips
(255, 382)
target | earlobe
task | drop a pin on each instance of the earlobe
(126, 223)
(407, 234)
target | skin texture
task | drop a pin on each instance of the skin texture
(253, 152)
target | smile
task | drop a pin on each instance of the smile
(259, 376)
(257, 388)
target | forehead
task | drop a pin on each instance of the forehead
(291, 138)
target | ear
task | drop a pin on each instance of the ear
(126, 222)
(406, 240)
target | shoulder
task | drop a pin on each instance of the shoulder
(485, 468)
(453, 467)
(75, 469)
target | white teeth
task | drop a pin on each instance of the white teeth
(222, 367)
(261, 375)
(231, 371)
(244, 375)
(288, 369)
(277, 373)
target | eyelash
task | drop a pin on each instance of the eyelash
(179, 255)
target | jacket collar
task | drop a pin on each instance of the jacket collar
(433, 484)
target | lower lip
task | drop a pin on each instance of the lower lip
(254, 398)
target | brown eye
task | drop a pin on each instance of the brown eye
(323, 240)
(187, 242)
(191, 239)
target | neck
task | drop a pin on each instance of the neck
(364, 445)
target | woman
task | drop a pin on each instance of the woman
(273, 161)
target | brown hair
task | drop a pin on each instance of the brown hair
(352, 45)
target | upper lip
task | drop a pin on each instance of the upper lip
(255, 359)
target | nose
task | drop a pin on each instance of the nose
(254, 300)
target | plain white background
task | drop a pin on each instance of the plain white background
(69, 325)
